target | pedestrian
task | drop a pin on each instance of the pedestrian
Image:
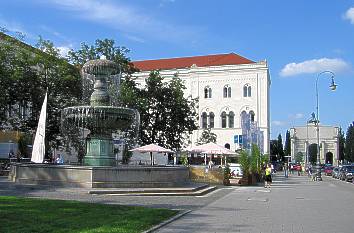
(286, 170)
(268, 176)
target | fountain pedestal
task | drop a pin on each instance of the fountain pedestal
(99, 152)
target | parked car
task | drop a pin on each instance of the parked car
(346, 172)
(328, 170)
(335, 172)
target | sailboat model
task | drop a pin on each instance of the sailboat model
(38, 149)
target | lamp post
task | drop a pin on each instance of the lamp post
(333, 87)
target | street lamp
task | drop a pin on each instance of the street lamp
(333, 87)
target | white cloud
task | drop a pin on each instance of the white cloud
(63, 50)
(278, 123)
(315, 66)
(126, 18)
(349, 14)
(296, 116)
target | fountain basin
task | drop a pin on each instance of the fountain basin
(99, 177)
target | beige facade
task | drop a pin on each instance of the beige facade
(302, 137)
(221, 92)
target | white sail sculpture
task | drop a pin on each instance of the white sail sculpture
(38, 150)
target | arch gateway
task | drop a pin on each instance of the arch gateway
(304, 139)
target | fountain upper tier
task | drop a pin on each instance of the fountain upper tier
(100, 67)
(100, 118)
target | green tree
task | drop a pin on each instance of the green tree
(313, 153)
(280, 148)
(274, 149)
(255, 160)
(341, 144)
(63, 83)
(287, 146)
(206, 137)
(299, 157)
(245, 163)
(167, 117)
(349, 144)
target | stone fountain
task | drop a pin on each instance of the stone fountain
(99, 117)
(99, 170)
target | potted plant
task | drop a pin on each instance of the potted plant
(227, 175)
(245, 163)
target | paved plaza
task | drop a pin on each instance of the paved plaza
(295, 204)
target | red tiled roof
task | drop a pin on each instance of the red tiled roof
(184, 62)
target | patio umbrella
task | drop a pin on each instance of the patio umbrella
(152, 148)
(211, 148)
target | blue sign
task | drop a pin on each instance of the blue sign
(235, 138)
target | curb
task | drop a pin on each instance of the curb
(174, 218)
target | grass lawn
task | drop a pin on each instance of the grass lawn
(41, 215)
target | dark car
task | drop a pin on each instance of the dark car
(335, 172)
(346, 172)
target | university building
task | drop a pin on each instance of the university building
(233, 94)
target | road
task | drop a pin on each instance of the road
(295, 204)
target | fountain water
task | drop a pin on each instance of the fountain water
(99, 117)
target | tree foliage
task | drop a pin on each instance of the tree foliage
(245, 163)
(313, 153)
(26, 74)
(206, 137)
(287, 146)
(299, 157)
(280, 148)
(349, 144)
(341, 144)
(167, 117)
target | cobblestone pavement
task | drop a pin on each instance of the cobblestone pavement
(295, 204)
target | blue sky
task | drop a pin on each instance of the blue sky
(299, 39)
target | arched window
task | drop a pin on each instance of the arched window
(247, 90)
(227, 91)
(211, 119)
(223, 120)
(231, 119)
(252, 116)
(245, 122)
(207, 92)
(204, 120)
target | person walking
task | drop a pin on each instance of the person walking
(286, 170)
(268, 176)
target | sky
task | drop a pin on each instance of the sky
(299, 39)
